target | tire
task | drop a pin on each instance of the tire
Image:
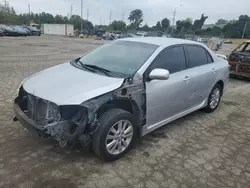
(210, 108)
(108, 120)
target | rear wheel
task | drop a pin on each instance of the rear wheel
(214, 98)
(115, 135)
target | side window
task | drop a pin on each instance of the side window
(172, 59)
(196, 55)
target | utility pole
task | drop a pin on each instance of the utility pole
(29, 8)
(81, 15)
(123, 15)
(88, 14)
(244, 30)
(110, 16)
(71, 10)
(174, 14)
(100, 21)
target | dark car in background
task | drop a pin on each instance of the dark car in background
(19, 30)
(2, 33)
(8, 30)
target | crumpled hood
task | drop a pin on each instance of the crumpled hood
(65, 84)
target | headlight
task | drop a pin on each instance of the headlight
(53, 114)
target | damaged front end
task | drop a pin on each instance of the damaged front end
(70, 124)
(66, 124)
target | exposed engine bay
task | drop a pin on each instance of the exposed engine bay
(70, 124)
(239, 60)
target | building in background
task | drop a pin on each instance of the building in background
(58, 29)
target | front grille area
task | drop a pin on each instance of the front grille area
(37, 109)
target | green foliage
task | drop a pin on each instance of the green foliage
(118, 25)
(145, 28)
(158, 25)
(221, 22)
(136, 18)
(165, 23)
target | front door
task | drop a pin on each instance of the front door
(166, 98)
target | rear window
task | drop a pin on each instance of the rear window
(197, 56)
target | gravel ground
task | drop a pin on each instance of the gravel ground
(199, 150)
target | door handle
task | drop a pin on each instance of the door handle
(213, 71)
(187, 78)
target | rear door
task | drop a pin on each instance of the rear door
(202, 71)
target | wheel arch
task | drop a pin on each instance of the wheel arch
(126, 104)
(221, 83)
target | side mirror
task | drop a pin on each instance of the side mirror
(159, 74)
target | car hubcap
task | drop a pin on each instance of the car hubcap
(119, 137)
(215, 97)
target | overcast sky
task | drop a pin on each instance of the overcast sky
(153, 10)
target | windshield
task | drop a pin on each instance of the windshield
(121, 57)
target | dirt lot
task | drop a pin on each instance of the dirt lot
(200, 150)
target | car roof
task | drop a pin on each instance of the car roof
(247, 41)
(160, 40)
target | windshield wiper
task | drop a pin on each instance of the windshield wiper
(84, 66)
(94, 67)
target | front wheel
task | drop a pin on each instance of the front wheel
(115, 135)
(214, 98)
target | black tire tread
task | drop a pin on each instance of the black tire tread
(105, 118)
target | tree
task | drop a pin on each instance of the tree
(145, 27)
(158, 25)
(118, 25)
(184, 26)
(136, 18)
(244, 18)
(199, 23)
(165, 23)
(216, 31)
(221, 22)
